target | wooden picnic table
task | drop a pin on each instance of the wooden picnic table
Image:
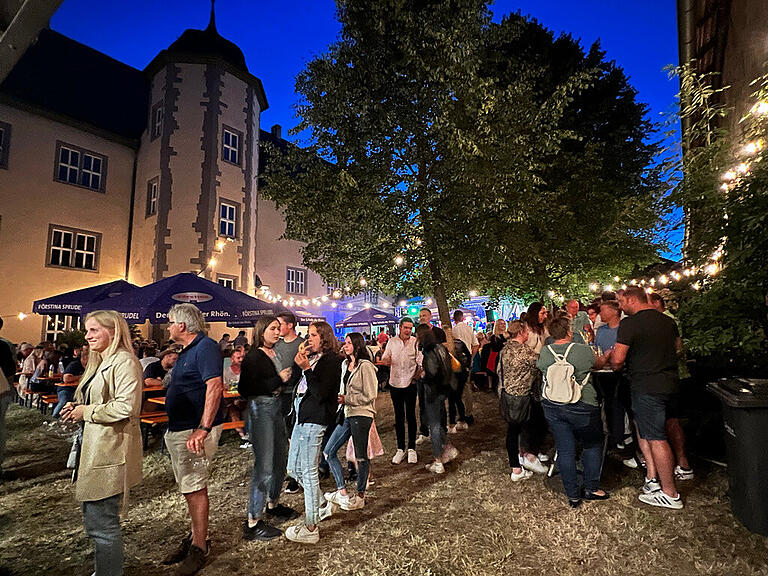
(157, 400)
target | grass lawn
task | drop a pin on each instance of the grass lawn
(472, 520)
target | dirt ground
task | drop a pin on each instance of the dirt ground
(470, 521)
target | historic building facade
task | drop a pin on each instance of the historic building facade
(109, 172)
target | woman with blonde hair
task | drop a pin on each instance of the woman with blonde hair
(108, 461)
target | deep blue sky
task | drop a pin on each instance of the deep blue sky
(279, 37)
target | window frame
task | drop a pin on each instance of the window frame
(225, 147)
(73, 250)
(153, 185)
(70, 322)
(227, 278)
(5, 144)
(220, 219)
(80, 169)
(156, 124)
(295, 281)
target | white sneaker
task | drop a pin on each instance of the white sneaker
(524, 475)
(421, 439)
(435, 468)
(326, 511)
(449, 453)
(630, 462)
(353, 503)
(542, 457)
(398, 457)
(651, 486)
(303, 535)
(412, 456)
(336, 497)
(462, 426)
(245, 445)
(533, 465)
(452, 429)
(662, 500)
(683, 473)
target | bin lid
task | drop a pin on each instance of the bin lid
(741, 392)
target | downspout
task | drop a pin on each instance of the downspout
(130, 216)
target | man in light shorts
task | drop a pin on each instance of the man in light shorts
(194, 426)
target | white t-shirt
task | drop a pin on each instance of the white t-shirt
(464, 332)
(403, 357)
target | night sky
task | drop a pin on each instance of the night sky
(279, 37)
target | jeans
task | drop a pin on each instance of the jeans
(423, 421)
(270, 452)
(569, 423)
(358, 428)
(5, 401)
(456, 402)
(102, 525)
(615, 394)
(435, 412)
(66, 394)
(303, 458)
(404, 403)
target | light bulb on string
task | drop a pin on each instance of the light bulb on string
(21, 315)
(663, 279)
(623, 286)
(593, 287)
(760, 109)
(333, 304)
(324, 298)
(403, 303)
(428, 301)
(399, 260)
(349, 305)
(473, 293)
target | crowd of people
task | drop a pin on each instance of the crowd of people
(570, 373)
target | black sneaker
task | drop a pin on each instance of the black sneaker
(262, 531)
(574, 503)
(194, 561)
(180, 553)
(292, 487)
(282, 512)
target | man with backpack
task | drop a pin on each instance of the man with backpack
(572, 410)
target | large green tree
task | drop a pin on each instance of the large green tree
(476, 152)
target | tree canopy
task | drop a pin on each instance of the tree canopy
(488, 156)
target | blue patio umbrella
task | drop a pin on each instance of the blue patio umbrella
(368, 317)
(217, 303)
(306, 317)
(73, 302)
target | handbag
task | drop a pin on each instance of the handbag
(73, 460)
(515, 409)
(491, 365)
(340, 416)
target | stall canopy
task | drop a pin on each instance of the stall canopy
(306, 317)
(368, 317)
(73, 302)
(216, 302)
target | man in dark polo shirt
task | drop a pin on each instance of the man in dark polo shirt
(649, 342)
(194, 426)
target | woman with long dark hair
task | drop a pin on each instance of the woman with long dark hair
(537, 328)
(316, 399)
(438, 372)
(357, 396)
(261, 380)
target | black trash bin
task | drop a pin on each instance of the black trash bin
(745, 416)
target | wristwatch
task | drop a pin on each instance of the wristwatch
(201, 427)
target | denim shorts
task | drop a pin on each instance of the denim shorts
(651, 414)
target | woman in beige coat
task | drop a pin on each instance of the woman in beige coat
(108, 403)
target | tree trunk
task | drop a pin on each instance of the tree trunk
(442, 303)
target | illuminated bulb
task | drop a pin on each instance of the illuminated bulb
(633, 282)
(653, 281)
(593, 287)
(399, 260)
(729, 176)
(663, 279)
(367, 305)
(385, 304)
(616, 278)
(609, 287)
(285, 302)
(760, 109)
(712, 269)
(642, 282)
(676, 275)
(278, 296)
(649, 290)
(363, 282)
(336, 294)
(742, 168)
(403, 303)
(305, 301)
(324, 298)
(349, 305)
(550, 293)
(333, 304)
(428, 301)
(561, 298)
(220, 245)
(724, 187)
(753, 147)
(472, 293)
(623, 286)
(212, 262)
(22, 315)
(418, 241)
(696, 286)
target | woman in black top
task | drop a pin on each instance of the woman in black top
(315, 404)
(261, 380)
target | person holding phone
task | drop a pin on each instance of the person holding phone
(108, 463)
(315, 402)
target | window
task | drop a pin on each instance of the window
(371, 296)
(231, 147)
(295, 280)
(152, 192)
(228, 220)
(156, 121)
(75, 165)
(71, 248)
(227, 282)
(56, 324)
(5, 143)
(331, 288)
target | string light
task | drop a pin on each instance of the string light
(663, 279)
(22, 315)
(349, 305)
(399, 260)
(623, 286)
(212, 262)
(403, 303)
(473, 293)
(753, 147)
(428, 301)
(550, 293)
(593, 287)
(367, 305)
(760, 109)
(363, 282)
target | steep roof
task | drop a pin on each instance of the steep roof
(66, 78)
